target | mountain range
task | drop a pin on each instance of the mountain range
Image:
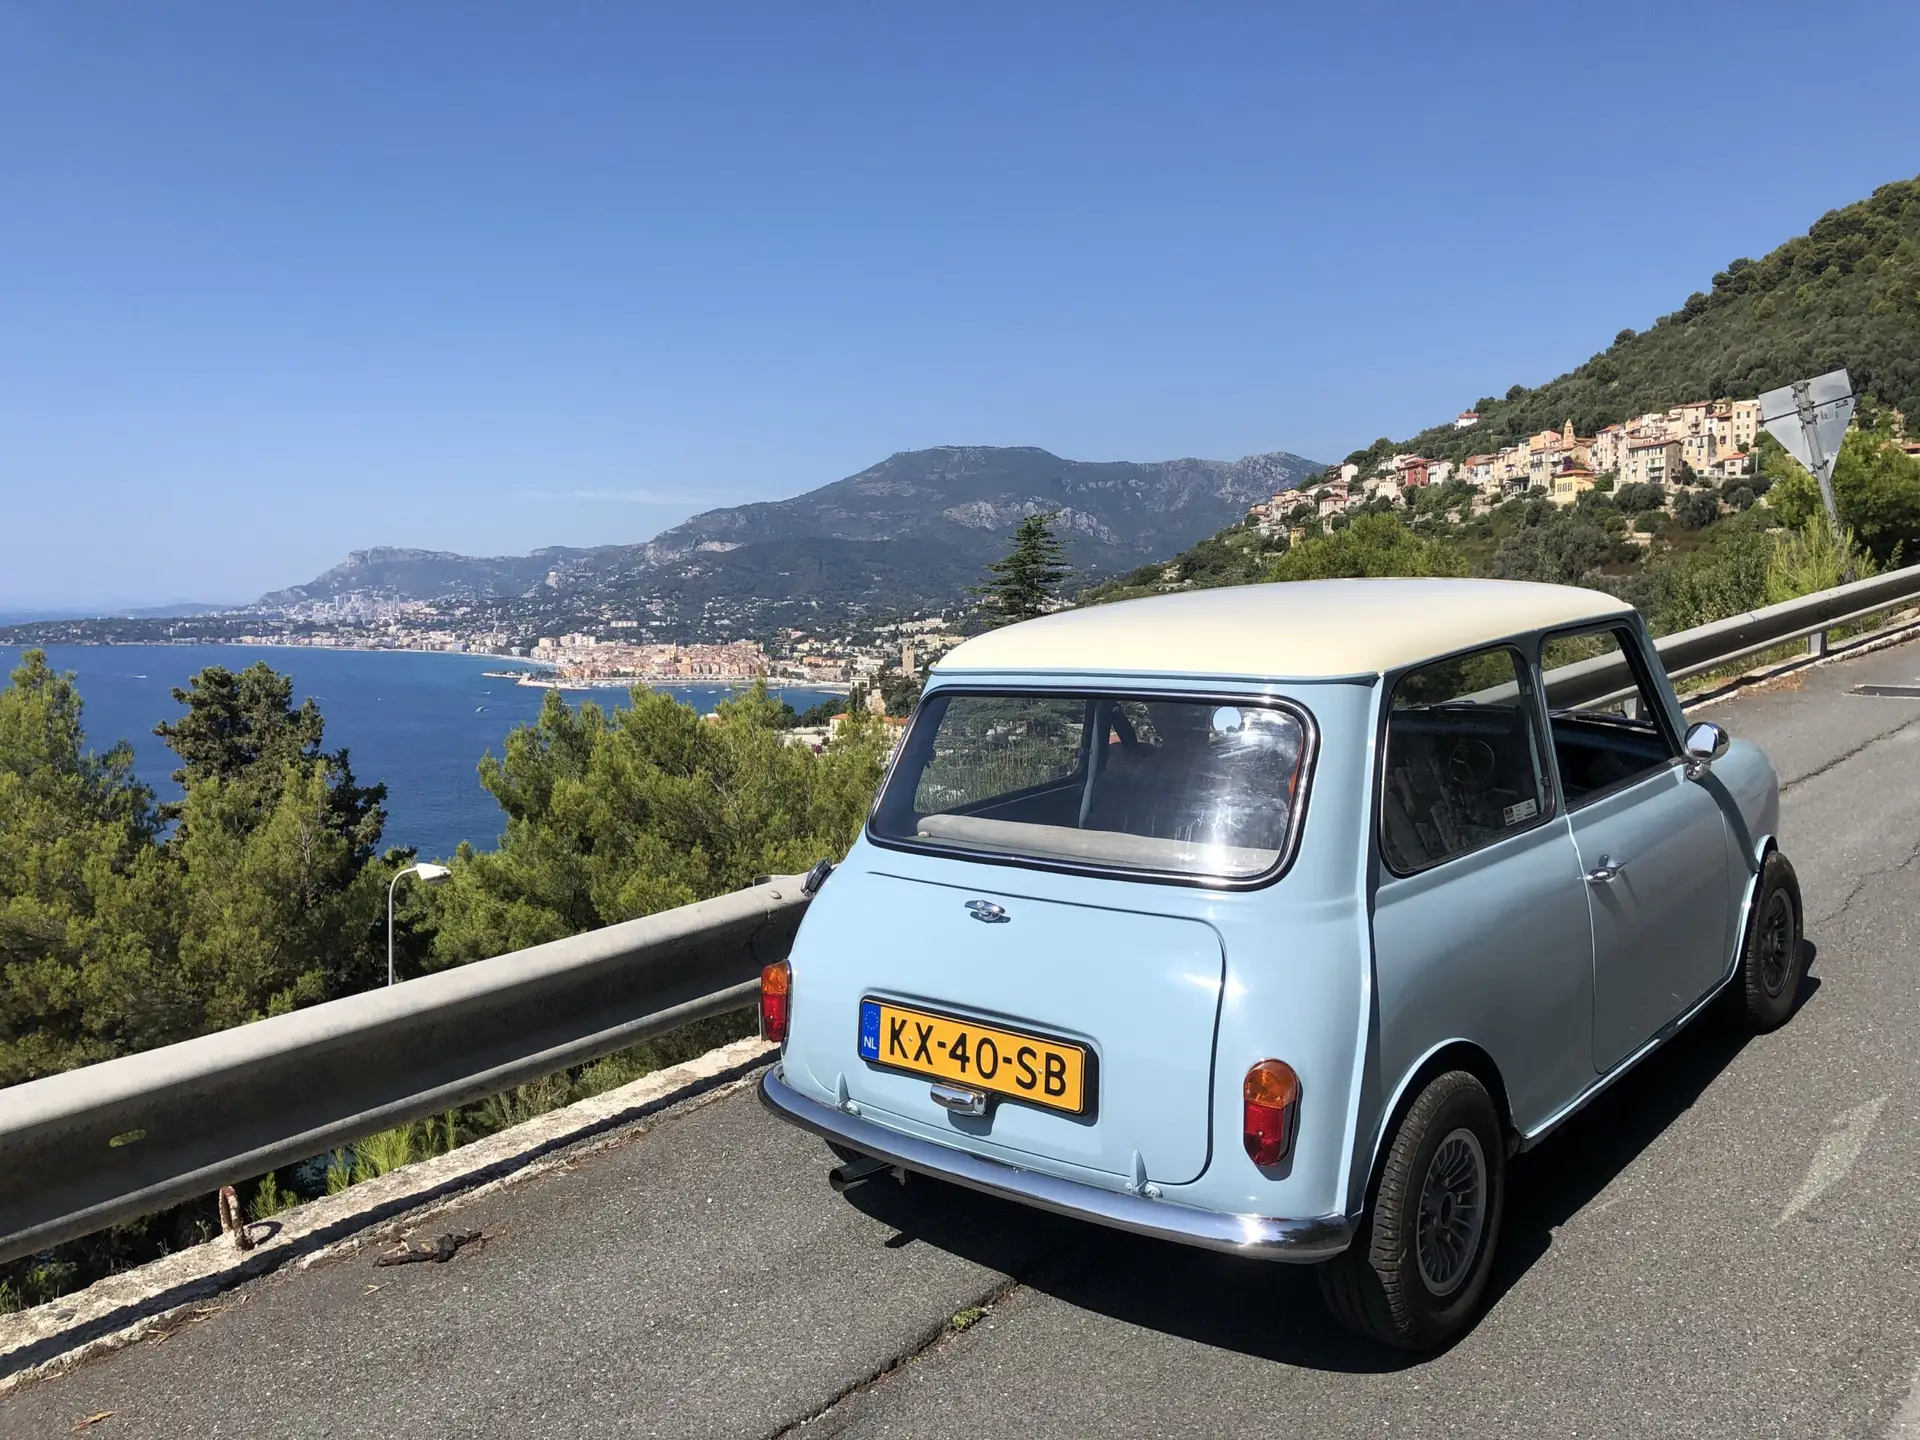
(912, 532)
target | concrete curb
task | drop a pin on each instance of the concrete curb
(176, 1290)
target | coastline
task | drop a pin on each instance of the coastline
(528, 667)
(209, 641)
(345, 650)
(711, 682)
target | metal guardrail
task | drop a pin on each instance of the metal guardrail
(1708, 647)
(108, 1142)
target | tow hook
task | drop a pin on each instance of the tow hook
(857, 1172)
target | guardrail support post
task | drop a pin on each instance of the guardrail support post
(1817, 644)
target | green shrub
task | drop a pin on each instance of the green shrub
(1371, 545)
(1696, 509)
(1814, 558)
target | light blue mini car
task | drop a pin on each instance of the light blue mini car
(1276, 919)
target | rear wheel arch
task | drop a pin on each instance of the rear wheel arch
(1455, 1054)
(1749, 907)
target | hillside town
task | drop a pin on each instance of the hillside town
(1707, 440)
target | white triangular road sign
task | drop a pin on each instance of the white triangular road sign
(1809, 418)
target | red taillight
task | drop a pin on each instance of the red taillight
(776, 1000)
(1272, 1095)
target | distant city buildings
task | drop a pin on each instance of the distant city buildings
(586, 658)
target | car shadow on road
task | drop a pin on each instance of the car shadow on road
(1571, 1169)
(1272, 1311)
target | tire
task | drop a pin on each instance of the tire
(1418, 1289)
(1772, 959)
(846, 1152)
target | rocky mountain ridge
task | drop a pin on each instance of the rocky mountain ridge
(911, 531)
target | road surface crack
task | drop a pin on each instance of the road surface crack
(1845, 756)
(929, 1342)
(1861, 883)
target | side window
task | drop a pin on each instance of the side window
(1608, 742)
(1463, 764)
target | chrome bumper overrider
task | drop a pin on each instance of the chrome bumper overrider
(1317, 1237)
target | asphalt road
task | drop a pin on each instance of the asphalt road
(1726, 1245)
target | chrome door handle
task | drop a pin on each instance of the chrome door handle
(1607, 870)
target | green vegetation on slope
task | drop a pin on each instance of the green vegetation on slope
(1371, 545)
(1238, 555)
(1705, 552)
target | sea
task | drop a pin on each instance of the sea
(420, 721)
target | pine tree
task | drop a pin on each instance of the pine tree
(614, 814)
(87, 904)
(1026, 582)
(278, 848)
(243, 731)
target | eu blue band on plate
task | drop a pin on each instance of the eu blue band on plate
(869, 1029)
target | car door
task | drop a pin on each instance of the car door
(1480, 925)
(1652, 845)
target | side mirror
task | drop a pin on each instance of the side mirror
(1706, 743)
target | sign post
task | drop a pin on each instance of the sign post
(1809, 418)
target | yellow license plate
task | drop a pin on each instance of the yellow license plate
(1002, 1062)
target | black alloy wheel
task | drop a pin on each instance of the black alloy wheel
(1773, 959)
(1418, 1265)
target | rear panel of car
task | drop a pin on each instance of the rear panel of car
(1173, 989)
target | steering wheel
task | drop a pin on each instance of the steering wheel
(1472, 762)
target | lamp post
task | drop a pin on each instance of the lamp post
(427, 874)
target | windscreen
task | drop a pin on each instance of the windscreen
(1202, 788)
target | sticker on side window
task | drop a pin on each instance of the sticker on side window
(1514, 814)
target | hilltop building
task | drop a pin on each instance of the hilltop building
(1713, 439)
(1650, 460)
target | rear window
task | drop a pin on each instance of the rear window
(1198, 788)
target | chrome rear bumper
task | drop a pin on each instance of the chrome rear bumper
(1318, 1237)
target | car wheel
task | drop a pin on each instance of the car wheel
(1771, 962)
(1418, 1265)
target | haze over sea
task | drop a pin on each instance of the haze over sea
(419, 721)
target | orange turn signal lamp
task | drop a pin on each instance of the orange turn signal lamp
(776, 1001)
(1272, 1095)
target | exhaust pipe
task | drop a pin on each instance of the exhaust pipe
(857, 1172)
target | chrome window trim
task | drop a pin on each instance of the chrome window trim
(1650, 698)
(1296, 818)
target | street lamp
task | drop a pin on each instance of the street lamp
(428, 874)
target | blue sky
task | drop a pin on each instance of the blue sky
(277, 282)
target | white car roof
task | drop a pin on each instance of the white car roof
(1296, 630)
